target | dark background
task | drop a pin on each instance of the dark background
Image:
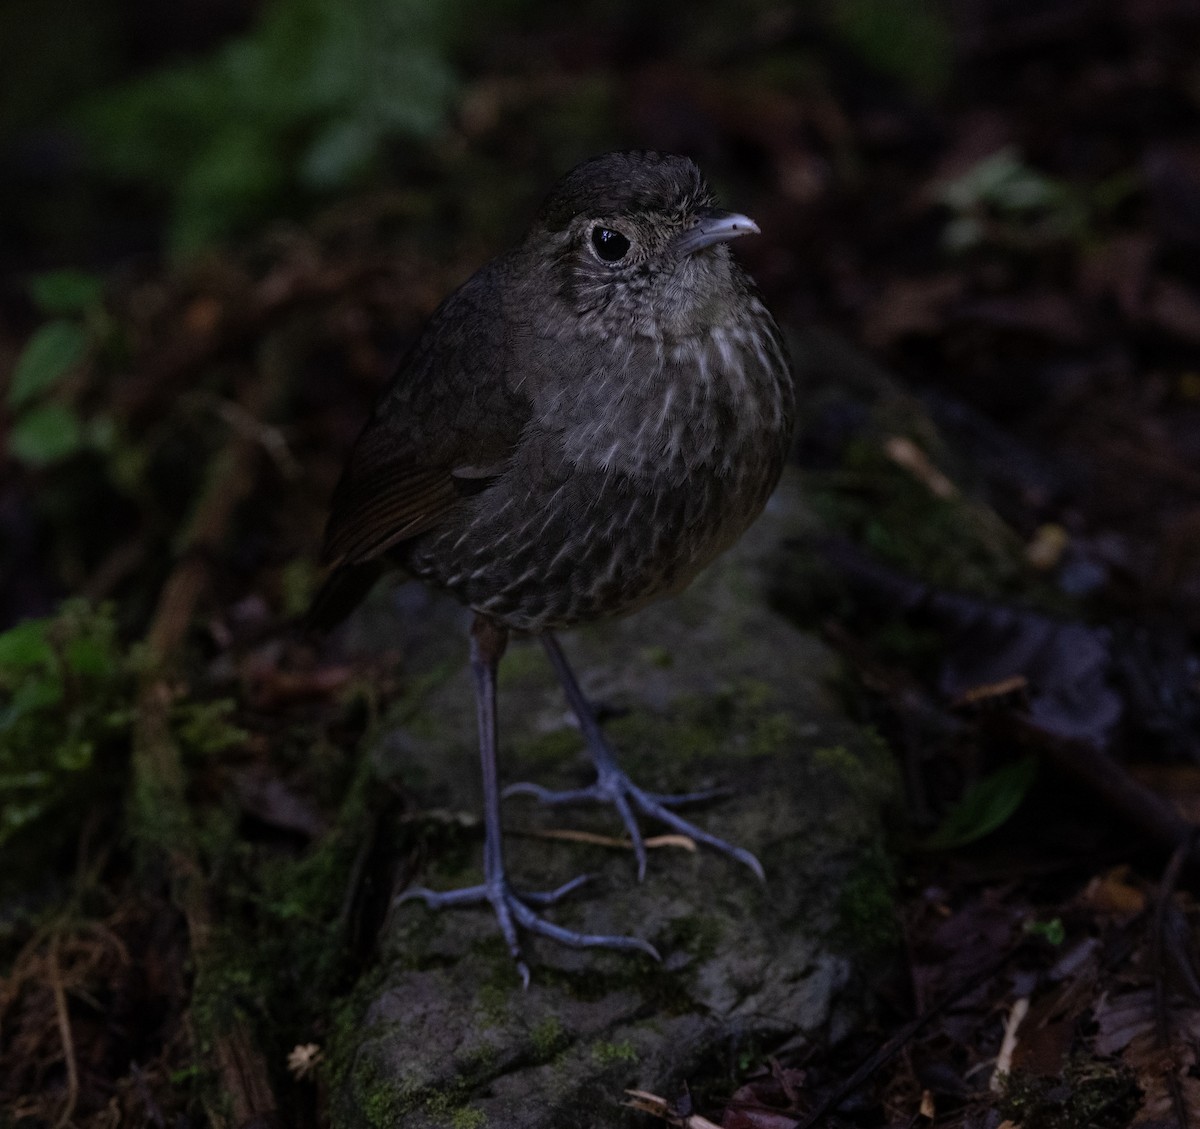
(220, 221)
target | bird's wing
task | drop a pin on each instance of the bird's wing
(448, 422)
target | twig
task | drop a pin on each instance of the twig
(64, 1034)
(592, 838)
(896, 1043)
(159, 778)
(246, 317)
(1009, 1044)
(1162, 1018)
(151, 1106)
(1140, 805)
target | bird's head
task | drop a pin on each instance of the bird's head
(636, 243)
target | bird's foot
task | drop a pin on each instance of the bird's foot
(614, 787)
(513, 911)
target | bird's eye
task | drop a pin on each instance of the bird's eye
(610, 245)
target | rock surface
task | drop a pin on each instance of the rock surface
(710, 688)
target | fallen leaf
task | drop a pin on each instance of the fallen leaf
(905, 453)
(303, 1060)
(1112, 894)
(645, 1102)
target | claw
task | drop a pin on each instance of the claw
(550, 897)
(617, 789)
(513, 910)
(546, 796)
(614, 787)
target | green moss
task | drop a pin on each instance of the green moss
(380, 1107)
(609, 1054)
(477, 1065)
(386, 1104)
(449, 1107)
(1091, 1094)
(555, 747)
(665, 993)
(383, 1103)
(68, 706)
(752, 694)
(410, 713)
(659, 657)
(698, 934)
(467, 1117)
(699, 733)
(204, 729)
(411, 936)
(950, 542)
(523, 663)
(840, 760)
(866, 906)
(703, 731)
(345, 1068)
(772, 733)
(280, 956)
(867, 770)
(547, 1037)
(661, 747)
(458, 863)
(493, 1000)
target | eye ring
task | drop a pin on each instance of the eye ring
(610, 245)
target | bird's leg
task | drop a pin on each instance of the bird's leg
(614, 787)
(488, 640)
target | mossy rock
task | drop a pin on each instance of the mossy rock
(709, 689)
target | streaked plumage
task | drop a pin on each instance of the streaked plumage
(581, 427)
(567, 441)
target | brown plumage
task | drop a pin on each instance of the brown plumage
(580, 428)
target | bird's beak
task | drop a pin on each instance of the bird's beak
(714, 226)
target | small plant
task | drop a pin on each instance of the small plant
(46, 426)
(1088, 1095)
(986, 806)
(1002, 199)
(301, 105)
(68, 691)
(67, 704)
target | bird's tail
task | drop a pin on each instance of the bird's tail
(341, 593)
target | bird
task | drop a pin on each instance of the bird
(579, 429)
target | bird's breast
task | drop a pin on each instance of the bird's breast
(708, 403)
(642, 461)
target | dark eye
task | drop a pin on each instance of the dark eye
(610, 245)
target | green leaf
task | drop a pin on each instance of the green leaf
(24, 647)
(302, 104)
(66, 291)
(89, 655)
(908, 39)
(11, 781)
(33, 695)
(52, 352)
(66, 693)
(45, 435)
(339, 152)
(986, 805)
(1053, 931)
(73, 755)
